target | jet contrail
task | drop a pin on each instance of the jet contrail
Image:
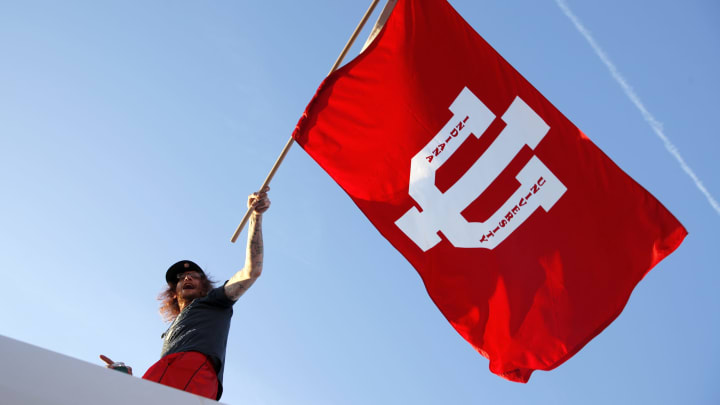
(654, 124)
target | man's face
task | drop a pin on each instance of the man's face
(189, 286)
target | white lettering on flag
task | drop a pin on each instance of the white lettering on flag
(442, 211)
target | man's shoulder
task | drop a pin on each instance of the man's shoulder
(217, 296)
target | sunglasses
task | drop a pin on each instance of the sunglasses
(192, 274)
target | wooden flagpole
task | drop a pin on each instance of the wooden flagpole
(289, 143)
(380, 23)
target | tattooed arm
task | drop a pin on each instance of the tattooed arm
(243, 279)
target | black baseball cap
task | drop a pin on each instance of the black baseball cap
(181, 267)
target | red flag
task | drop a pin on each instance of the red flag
(528, 238)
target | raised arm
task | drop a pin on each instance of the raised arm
(243, 279)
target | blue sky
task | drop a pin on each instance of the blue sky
(131, 133)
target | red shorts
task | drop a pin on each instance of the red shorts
(187, 371)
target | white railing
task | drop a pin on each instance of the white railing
(30, 375)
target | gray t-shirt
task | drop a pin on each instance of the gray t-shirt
(203, 327)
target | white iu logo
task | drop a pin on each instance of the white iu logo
(441, 211)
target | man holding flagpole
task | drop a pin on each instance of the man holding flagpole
(193, 352)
